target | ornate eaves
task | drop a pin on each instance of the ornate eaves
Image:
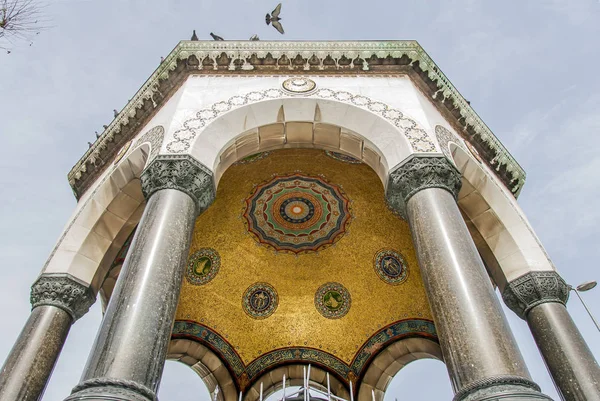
(258, 57)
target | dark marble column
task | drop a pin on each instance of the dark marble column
(480, 352)
(540, 298)
(128, 357)
(57, 301)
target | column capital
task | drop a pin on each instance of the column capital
(420, 172)
(183, 173)
(64, 292)
(535, 288)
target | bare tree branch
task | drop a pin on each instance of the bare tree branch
(20, 20)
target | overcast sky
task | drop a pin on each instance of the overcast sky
(529, 69)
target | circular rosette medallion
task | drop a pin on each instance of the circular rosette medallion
(297, 213)
(260, 300)
(390, 266)
(332, 300)
(299, 85)
(202, 266)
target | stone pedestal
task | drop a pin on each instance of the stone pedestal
(480, 352)
(57, 302)
(128, 357)
(540, 298)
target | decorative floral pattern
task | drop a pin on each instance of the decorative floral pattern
(260, 300)
(184, 136)
(390, 266)
(444, 137)
(63, 292)
(342, 157)
(181, 172)
(202, 266)
(332, 300)
(155, 138)
(297, 213)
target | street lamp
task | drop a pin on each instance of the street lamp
(588, 285)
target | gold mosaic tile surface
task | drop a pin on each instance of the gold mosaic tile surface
(296, 278)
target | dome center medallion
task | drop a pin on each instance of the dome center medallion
(297, 213)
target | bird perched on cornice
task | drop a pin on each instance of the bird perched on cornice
(115, 112)
(194, 37)
(254, 37)
(105, 126)
(90, 144)
(97, 134)
(216, 37)
(274, 19)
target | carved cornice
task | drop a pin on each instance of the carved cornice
(420, 172)
(535, 288)
(183, 173)
(63, 292)
(307, 58)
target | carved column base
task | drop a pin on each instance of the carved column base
(505, 388)
(104, 389)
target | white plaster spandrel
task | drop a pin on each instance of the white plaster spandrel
(205, 137)
(499, 220)
(109, 205)
(165, 116)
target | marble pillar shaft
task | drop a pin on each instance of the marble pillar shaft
(571, 363)
(480, 352)
(474, 334)
(132, 343)
(32, 358)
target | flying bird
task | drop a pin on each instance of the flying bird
(254, 37)
(216, 37)
(274, 19)
(194, 37)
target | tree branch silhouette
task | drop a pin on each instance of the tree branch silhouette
(20, 20)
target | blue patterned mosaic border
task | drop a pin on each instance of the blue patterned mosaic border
(389, 334)
(214, 341)
(246, 375)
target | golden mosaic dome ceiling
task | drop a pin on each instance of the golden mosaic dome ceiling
(299, 259)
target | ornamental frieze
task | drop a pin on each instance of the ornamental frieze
(184, 136)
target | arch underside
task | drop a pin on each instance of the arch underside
(245, 376)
